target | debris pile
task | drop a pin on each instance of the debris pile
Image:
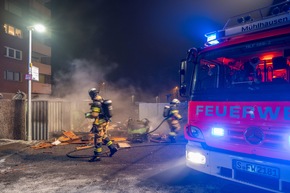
(68, 137)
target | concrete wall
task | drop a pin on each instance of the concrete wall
(49, 117)
(12, 119)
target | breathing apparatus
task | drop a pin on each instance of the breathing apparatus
(166, 113)
(106, 105)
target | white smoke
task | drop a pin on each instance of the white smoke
(82, 75)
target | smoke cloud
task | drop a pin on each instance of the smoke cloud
(82, 75)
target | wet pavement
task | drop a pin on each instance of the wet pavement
(144, 168)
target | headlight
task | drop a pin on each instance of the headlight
(195, 132)
(196, 157)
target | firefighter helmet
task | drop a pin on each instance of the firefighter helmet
(175, 101)
(93, 92)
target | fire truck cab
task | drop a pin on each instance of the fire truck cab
(238, 88)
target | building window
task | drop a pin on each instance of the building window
(17, 54)
(45, 79)
(9, 29)
(13, 53)
(9, 75)
(16, 76)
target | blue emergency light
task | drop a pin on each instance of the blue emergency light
(215, 37)
(212, 38)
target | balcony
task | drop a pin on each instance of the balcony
(40, 8)
(41, 48)
(41, 88)
(43, 68)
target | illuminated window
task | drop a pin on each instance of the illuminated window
(14, 76)
(9, 29)
(13, 53)
(18, 33)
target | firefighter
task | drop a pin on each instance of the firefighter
(101, 112)
(173, 119)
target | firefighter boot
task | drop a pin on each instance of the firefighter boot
(111, 146)
(113, 150)
(96, 156)
(171, 137)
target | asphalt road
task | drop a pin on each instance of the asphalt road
(143, 168)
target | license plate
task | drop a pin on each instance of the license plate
(256, 168)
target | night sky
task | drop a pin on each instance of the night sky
(143, 40)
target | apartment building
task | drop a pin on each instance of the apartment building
(16, 16)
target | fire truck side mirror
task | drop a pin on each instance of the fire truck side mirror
(182, 82)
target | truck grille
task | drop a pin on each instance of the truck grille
(276, 140)
(273, 137)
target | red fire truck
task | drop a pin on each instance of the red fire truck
(238, 89)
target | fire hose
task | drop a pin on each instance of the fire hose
(158, 125)
(106, 153)
(69, 154)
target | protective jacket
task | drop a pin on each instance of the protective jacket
(99, 128)
(173, 121)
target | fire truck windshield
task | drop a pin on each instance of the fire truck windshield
(249, 71)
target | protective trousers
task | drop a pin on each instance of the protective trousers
(174, 128)
(100, 137)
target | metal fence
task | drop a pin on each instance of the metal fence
(50, 117)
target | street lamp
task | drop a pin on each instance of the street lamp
(38, 28)
(156, 99)
(175, 91)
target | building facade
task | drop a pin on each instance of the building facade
(16, 16)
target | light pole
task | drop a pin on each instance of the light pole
(104, 88)
(133, 99)
(39, 28)
(156, 99)
(175, 92)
